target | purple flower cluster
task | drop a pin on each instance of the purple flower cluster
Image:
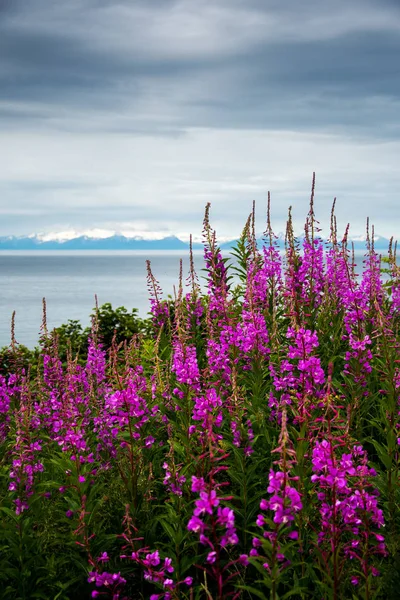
(158, 308)
(112, 582)
(302, 375)
(252, 334)
(238, 343)
(311, 276)
(185, 367)
(65, 407)
(194, 310)
(285, 500)
(371, 283)
(218, 355)
(217, 285)
(263, 277)
(9, 389)
(157, 571)
(337, 276)
(358, 359)
(184, 407)
(125, 409)
(284, 503)
(172, 479)
(24, 467)
(207, 410)
(247, 436)
(348, 503)
(25, 459)
(96, 363)
(223, 518)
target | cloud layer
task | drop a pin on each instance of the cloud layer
(141, 112)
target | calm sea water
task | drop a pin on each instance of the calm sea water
(69, 281)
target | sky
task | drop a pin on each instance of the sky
(132, 115)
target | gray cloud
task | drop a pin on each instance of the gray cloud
(130, 107)
(218, 64)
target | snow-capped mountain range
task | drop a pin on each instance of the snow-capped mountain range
(103, 239)
(87, 242)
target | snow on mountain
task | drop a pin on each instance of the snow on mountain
(130, 234)
(64, 236)
(134, 239)
(98, 234)
(84, 242)
(97, 238)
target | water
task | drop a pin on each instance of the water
(69, 282)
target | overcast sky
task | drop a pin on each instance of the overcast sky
(134, 114)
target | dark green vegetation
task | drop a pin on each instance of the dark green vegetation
(74, 339)
(242, 443)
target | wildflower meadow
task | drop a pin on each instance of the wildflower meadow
(246, 445)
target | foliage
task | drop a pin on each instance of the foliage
(112, 326)
(242, 443)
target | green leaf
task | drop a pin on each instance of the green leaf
(253, 590)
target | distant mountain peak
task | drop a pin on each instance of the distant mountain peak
(104, 239)
(98, 234)
(90, 241)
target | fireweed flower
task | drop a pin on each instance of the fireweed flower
(112, 582)
(395, 288)
(194, 311)
(301, 376)
(129, 403)
(103, 557)
(218, 357)
(252, 335)
(278, 517)
(247, 338)
(284, 503)
(198, 484)
(371, 283)
(156, 570)
(97, 418)
(206, 503)
(172, 480)
(264, 276)
(219, 308)
(349, 508)
(50, 410)
(25, 455)
(236, 433)
(214, 523)
(217, 280)
(65, 409)
(124, 410)
(243, 434)
(336, 279)
(357, 299)
(158, 307)
(185, 367)
(207, 409)
(358, 359)
(9, 391)
(96, 362)
(310, 276)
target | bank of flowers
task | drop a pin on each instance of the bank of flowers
(248, 448)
